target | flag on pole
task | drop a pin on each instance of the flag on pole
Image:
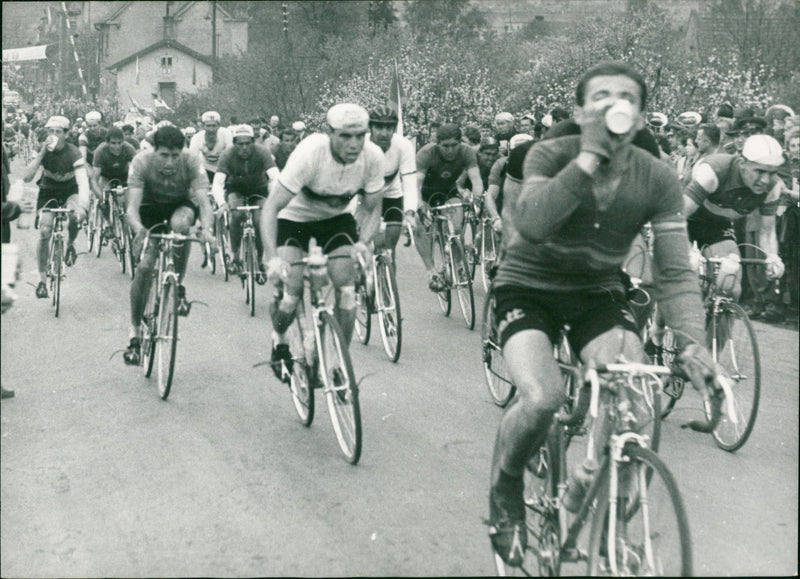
(49, 18)
(396, 97)
(137, 70)
(194, 72)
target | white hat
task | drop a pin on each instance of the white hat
(274, 118)
(764, 150)
(210, 117)
(504, 117)
(242, 131)
(299, 126)
(93, 117)
(518, 139)
(547, 120)
(164, 123)
(348, 116)
(57, 123)
(189, 131)
(657, 120)
(689, 119)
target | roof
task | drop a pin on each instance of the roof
(167, 43)
(226, 13)
(182, 8)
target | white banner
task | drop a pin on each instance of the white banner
(23, 54)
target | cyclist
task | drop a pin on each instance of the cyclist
(283, 149)
(310, 199)
(111, 161)
(65, 180)
(166, 184)
(400, 173)
(243, 171)
(92, 137)
(583, 200)
(127, 132)
(494, 192)
(725, 188)
(210, 142)
(487, 153)
(439, 165)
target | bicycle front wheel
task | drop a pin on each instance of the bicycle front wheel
(56, 263)
(736, 350)
(341, 391)
(250, 274)
(91, 223)
(150, 329)
(463, 283)
(120, 242)
(363, 327)
(223, 243)
(468, 241)
(488, 254)
(300, 372)
(495, 371)
(647, 531)
(167, 338)
(388, 303)
(97, 231)
(441, 266)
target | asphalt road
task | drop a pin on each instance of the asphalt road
(100, 477)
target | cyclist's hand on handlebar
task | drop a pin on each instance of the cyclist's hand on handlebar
(277, 270)
(696, 362)
(138, 241)
(775, 267)
(497, 225)
(221, 209)
(361, 250)
(208, 237)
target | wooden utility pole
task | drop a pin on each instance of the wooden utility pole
(213, 38)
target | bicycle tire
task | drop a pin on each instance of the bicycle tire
(98, 230)
(341, 390)
(57, 255)
(488, 254)
(463, 282)
(300, 381)
(390, 320)
(222, 250)
(90, 224)
(150, 329)
(739, 355)
(132, 261)
(495, 372)
(441, 265)
(363, 326)
(468, 243)
(250, 264)
(120, 243)
(669, 553)
(167, 339)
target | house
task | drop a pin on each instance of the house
(165, 48)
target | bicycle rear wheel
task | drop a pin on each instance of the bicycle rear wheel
(299, 381)
(488, 254)
(167, 338)
(648, 531)
(388, 305)
(441, 265)
(341, 391)
(150, 329)
(463, 282)
(495, 371)
(737, 351)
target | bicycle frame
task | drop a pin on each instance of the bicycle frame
(445, 227)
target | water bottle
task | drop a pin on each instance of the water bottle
(579, 483)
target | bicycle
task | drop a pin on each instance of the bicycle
(450, 260)
(470, 234)
(732, 342)
(55, 254)
(250, 270)
(94, 225)
(223, 235)
(121, 243)
(320, 358)
(160, 319)
(639, 524)
(377, 293)
(495, 371)
(490, 253)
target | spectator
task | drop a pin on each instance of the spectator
(708, 137)
(285, 147)
(503, 130)
(472, 136)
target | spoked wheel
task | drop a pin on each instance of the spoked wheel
(488, 254)
(150, 329)
(91, 224)
(299, 379)
(212, 258)
(388, 305)
(665, 354)
(223, 245)
(495, 371)
(737, 351)
(167, 338)
(468, 237)
(97, 231)
(463, 283)
(56, 264)
(120, 244)
(341, 390)
(250, 275)
(648, 531)
(133, 260)
(441, 265)
(363, 327)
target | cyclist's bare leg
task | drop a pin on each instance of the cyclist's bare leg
(392, 234)
(423, 240)
(43, 245)
(237, 222)
(140, 288)
(181, 221)
(342, 273)
(74, 218)
(257, 220)
(282, 313)
(723, 249)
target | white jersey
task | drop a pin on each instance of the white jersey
(322, 186)
(211, 157)
(400, 172)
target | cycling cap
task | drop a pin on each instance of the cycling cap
(689, 119)
(383, 115)
(764, 150)
(189, 131)
(299, 126)
(57, 123)
(348, 116)
(657, 120)
(210, 117)
(774, 108)
(93, 117)
(164, 123)
(518, 139)
(504, 117)
(274, 118)
(489, 143)
(242, 131)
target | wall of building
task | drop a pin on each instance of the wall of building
(140, 26)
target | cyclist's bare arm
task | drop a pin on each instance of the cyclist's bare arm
(134, 203)
(199, 196)
(767, 238)
(689, 206)
(474, 175)
(368, 215)
(279, 197)
(491, 201)
(31, 170)
(82, 178)
(218, 188)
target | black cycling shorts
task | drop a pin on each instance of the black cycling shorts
(330, 233)
(393, 210)
(154, 213)
(60, 197)
(708, 229)
(588, 314)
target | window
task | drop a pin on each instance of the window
(166, 61)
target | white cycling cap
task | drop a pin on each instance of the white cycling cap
(504, 117)
(764, 150)
(689, 119)
(57, 122)
(93, 117)
(210, 117)
(242, 131)
(348, 116)
(299, 126)
(518, 139)
(547, 120)
(274, 118)
(189, 131)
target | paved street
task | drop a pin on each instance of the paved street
(102, 478)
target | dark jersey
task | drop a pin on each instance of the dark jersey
(246, 176)
(113, 166)
(167, 189)
(440, 174)
(58, 170)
